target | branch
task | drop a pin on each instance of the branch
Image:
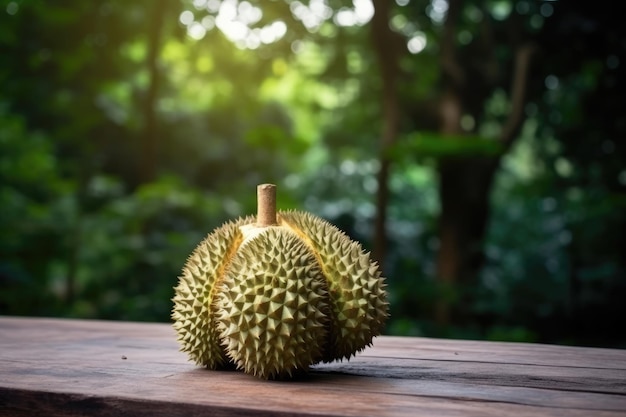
(519, 85)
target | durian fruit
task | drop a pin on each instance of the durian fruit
(276, 293)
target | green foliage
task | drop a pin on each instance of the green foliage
(426, 145)
(36, 210)
(143, 238)
(83, 235)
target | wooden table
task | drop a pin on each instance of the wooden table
(60, 367)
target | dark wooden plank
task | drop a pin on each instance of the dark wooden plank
(76, 367)
(517, 353)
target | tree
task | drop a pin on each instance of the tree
(471, 74)
(388, 49)
(150, 136)
(476, 50)
(580, 115)
(397, 120)
(98, 225)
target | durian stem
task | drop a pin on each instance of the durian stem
(266, 205)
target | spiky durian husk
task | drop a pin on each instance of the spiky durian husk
(193, 312)
(357, 292)
(276, 299)
(272, 307)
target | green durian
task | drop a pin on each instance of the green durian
(276, 293)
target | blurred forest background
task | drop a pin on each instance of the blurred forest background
(476, 147)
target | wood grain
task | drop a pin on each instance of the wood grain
(60, 367)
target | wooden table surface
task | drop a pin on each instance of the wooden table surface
(61, 367)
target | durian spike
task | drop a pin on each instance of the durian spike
(266, 205)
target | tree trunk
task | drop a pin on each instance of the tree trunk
(149, 137)
(464, 191)
(386, 44)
